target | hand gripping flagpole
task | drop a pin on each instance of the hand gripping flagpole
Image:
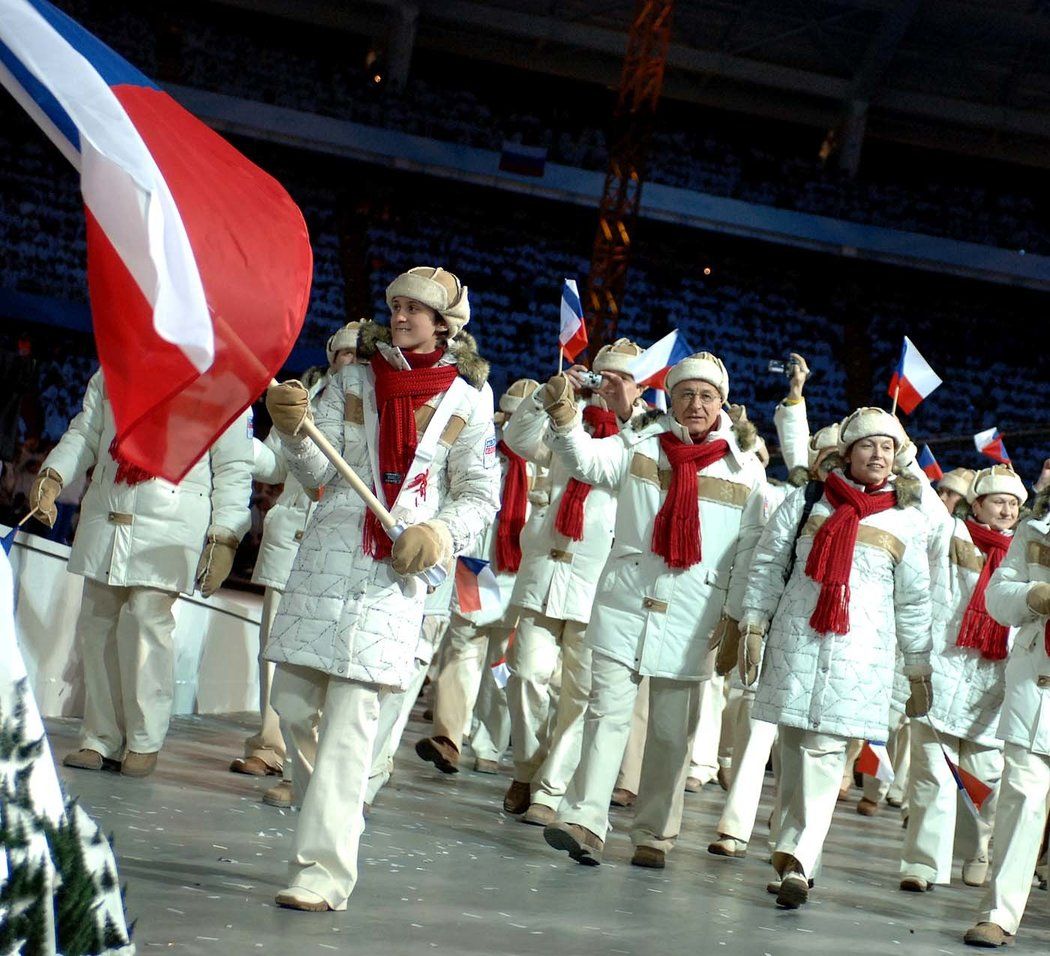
(432, 576)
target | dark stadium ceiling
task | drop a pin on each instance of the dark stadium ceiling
(964, 75)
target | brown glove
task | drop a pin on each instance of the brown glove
(559, 400)
(216, 560)
(921, 699)
(289, 406)
(750, 653)
(726, 638)
(46, 488)
(421, 546)
(1037, 598)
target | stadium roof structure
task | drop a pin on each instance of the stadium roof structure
(962, 75)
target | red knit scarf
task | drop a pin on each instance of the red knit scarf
(676, 531)
(512, 511)
(979, 629)
(127, 473)
(569, 520)
(398, 394)
(830, 560)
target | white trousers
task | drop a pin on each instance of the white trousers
(811, 766)
(749, 774)
(708, 735)
(1024, 798)
(129, 672)
(933, 798)
(331, 791)
(490, 736)
(631, 767)
(267, 744)
(673, 708)
(460, 678)
(546, 751)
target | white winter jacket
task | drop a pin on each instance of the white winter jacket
(1026, 708)
(832, 683)
(149, 534)
(655, 619)
(968, 689)
(792, 425)
(344, 612)
(558, 576)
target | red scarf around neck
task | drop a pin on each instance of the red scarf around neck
(398, 394)
(513, 504)
(830, 560)
(569, 520)
(676, 531)
(979, 629)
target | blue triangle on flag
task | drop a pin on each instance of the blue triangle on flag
(8, 540)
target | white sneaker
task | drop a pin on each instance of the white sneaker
(975, 872)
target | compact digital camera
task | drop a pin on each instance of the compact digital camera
(589, 379)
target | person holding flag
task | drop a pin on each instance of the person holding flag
(1018, 596)
(969, 657)
(416, 424)
(480, 634)
(555, 587)
(686, 490)
(831, 604)
(140, 542)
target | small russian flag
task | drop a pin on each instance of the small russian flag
(651, 367)
(913, 379)
(522, 160)
(874, 761)
(929, 464)
(990, 443)
(501, 672)
(974, 792)
(476, 586)
(573, 334)
(7, 542)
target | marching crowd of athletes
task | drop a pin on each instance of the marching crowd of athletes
(667, 613)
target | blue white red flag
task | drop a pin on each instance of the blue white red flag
(651, 367)
(874, 761)
(476, 586)
(198, 262)
(929, 464)
(523, 160)
(573, 334)
(990, 443)
(913, 379)
(973, 791)
(501, 672)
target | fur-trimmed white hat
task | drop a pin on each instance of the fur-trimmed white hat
(516, 394)
(616, 356)
(866, 423)
(997, 480)
(957, 480)
(434, 287)
(704, 367)
(344, 338)
(827, 437)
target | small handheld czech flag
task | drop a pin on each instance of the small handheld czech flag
(913, 379)
(990, 443)
(573, 335)
(874, 761)
(929, 464)
(651, 367)
(476, 586)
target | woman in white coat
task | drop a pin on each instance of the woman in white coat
(140, 542)
(685, 490)
(969, 666)
(416, 423)
(858, 589)
(1019, 596)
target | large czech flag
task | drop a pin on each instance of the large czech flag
(198, 262)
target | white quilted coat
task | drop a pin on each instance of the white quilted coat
(967, 688)
(150, 534)
(344, 612)
(1026, 709)
(792, 425)
(285, 522)
(558, 576)
(831, 683)
(485, 548)
(655, 619)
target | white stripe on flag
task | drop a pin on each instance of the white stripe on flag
(571, 311)
(917, 370)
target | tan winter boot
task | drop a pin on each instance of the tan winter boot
(300, 898)
(539, 816)
(441, 752)
(518, 797)
(987, 936)
(581, 844)
(138, 765)
(649, 857)
(89, 760)
(975, 872)
(283, 795)
(727, 845)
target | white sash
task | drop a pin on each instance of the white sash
(417, 483)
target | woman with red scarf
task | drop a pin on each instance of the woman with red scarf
(969, 667)
(685, 491)
(415, 423)
(859, 588)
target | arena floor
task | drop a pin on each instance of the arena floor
(443, 870)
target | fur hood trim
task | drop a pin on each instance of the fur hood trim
(463, 348)
(908, 487)
(746, 433)
(1041, 505)
(798, 476)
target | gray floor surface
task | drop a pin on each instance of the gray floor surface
(444, 870)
